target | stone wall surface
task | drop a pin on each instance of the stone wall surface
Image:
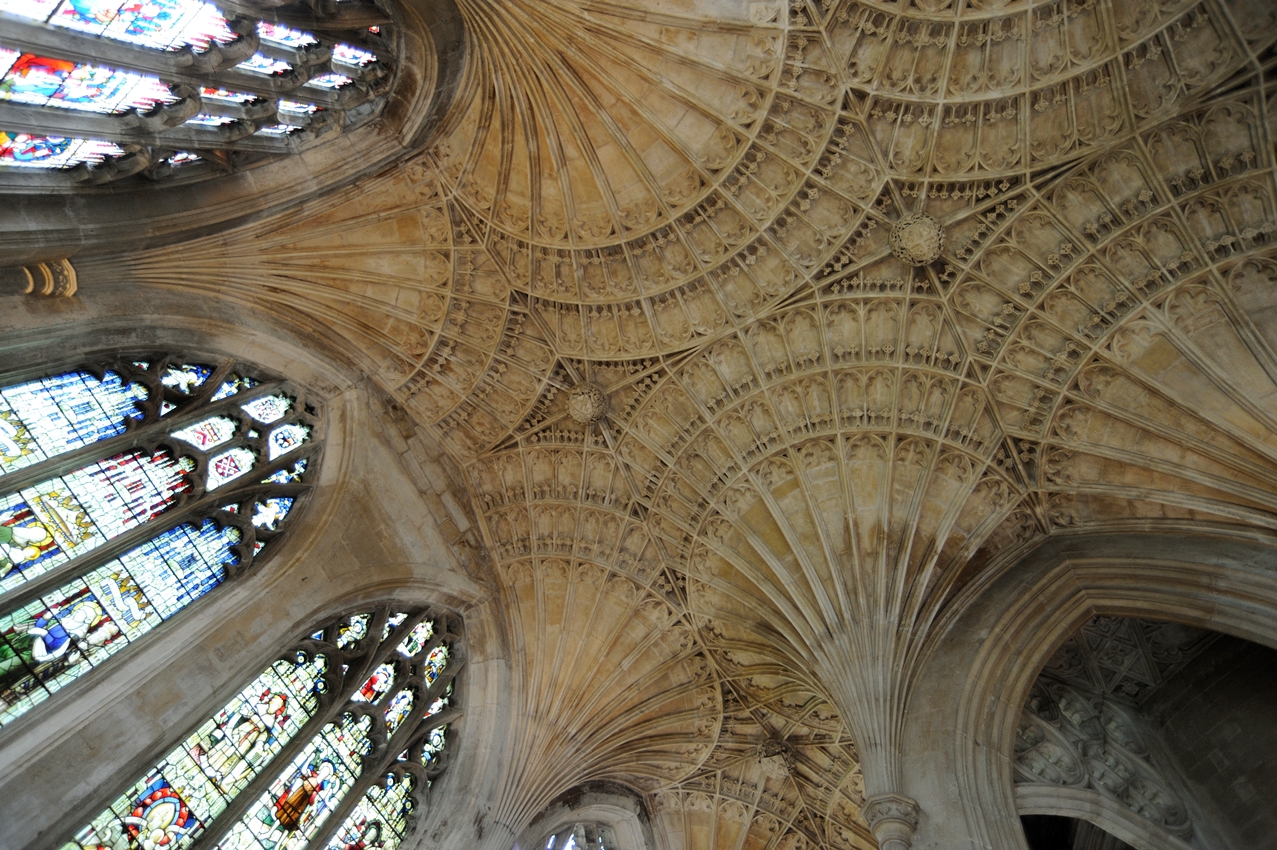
(773, 387)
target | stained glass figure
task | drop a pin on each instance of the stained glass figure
(270, 513)
(435, 662)
(392, 623)
(267, 409)
(214, 763)
(233, 385)
(64, 517)
(380, 820)
(435, 743)
(397, 710)
(416, 639)
(45, 418)
(297, 798)
(288, 476)
(43, 81)
(26, 150)
(185, 377)
(46, 643)
(54, 521)
(378, 683)
(352, 631)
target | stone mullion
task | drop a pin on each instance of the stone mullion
(120, 129)
(84, 564)
(349, 14)
(239, 804)
(134, 438)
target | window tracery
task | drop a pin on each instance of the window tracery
(582, 836)
(129, 488)
(333, 745)
(98, 90)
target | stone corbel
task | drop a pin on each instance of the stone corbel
(893, 818)
(54, 279)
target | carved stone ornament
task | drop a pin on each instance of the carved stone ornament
(917, 239)
(893, 819)
(587, 403)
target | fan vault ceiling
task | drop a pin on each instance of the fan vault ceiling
(810, 444)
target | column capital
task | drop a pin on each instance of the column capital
(892, 818)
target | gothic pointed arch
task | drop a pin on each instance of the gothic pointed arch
(130, 487)
(335, 743)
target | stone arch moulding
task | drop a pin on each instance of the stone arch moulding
(1088, 805)
(610, 805)
(59, 221)
(1000, 634)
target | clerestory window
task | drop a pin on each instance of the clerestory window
(130, 488)
(334, 745)
(100, 90)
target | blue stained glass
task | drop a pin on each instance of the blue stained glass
(185, 378)
(233, 385)
(200, 776)
(288, 476)
(45, 525)
(435, 662)
(391, 623)
(44, 418)
(52, 641)
(399, 707)
(270, 513)
(435, 742)
(43, 81)
(24, 150)
(285, 438)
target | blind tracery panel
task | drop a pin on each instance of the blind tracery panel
(332, 746)
(127, 491)
(97, 90)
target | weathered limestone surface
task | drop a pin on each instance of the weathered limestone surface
(925, 332)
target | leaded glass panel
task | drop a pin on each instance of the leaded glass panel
(301, 753)
(108, 520)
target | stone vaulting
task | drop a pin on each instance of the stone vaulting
(761, 334)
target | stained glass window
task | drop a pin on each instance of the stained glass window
(337, 76)
(319, 764)
(109, 519)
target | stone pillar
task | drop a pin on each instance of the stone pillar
(55, 279)
(893, 819)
